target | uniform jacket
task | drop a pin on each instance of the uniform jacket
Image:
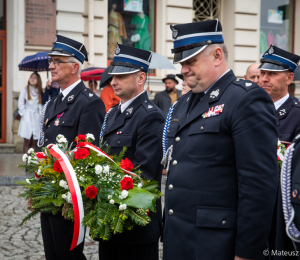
(288, 120)
(140, 129)
(163, 100)
(29, 111)
(222, 184)
(83, 113)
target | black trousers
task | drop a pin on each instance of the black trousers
(57, 236)
(109, 251)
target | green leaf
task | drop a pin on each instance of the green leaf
(140, 198)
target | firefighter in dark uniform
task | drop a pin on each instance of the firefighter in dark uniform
(276, 74)
(221, 157)
(76, 110)
(289, 246)
(136, 123)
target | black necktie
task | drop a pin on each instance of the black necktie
(196, 100)
(59, 100)
(118, 112)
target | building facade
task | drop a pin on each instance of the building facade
(29, 26)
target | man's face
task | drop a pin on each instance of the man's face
(125, 86)
(253, 73)
(197, 72)
(170, 85)
(62, 71)
(276, 83)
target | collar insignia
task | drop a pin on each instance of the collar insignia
(70, 98)
(271, 50)
(248, 84)
(91, 94)
(188, 99)
(174, 32)
(149, 106)
(118, 50)
(214, 94)
(282, 112)
(129, 110)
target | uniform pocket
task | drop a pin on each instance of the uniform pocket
(213, 217)
(121, 141)
(203, 138)
(67, 121)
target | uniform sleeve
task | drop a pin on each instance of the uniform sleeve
(21, 103)
(155, 101)
(91, 119)
(255, 138)
(148, 152)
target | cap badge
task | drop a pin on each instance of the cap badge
(118, 50)
(91, 94)
(271, 50)
(55, 40)
(248, 84)
(214, 93)
(70, 98)
(174, 32)
(149, 106)
(282, 112)
(129, 110)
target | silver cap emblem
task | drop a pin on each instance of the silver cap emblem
(271, 50)
(118, 50)
(214, 93)
(174, 32)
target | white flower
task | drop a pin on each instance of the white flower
(58, 137)
(39, 172)
(122, 207)
(124, 194)
(24, 157)
(112, 201)
(62, 140)
(90, 136)
(278, 142)
(29, 159)
(31, 150)
(28, 181)
(81, 178)
(126, 175)
(63, 184)
(98, 169)
(53, 181)
(106, 169)
(64, 196)
(109, 197)
(140, 185)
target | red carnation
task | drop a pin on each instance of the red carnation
(126, 183)
(91, 192)
(80, 138)
(40, 155)
(57, 167)
(37, 176)
(81, 153)
(79, 145)
(126, 164)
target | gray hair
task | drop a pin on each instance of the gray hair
(135, 74)
(223, 47)
(74, 60)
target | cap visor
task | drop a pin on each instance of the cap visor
(271, 67)
(122, 70)
(57, 53)
(185, 55)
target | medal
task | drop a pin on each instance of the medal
(56, 122)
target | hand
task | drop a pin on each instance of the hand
(29, 204)
(65, 209)
(240, 258)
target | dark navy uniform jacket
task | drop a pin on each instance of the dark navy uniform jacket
(83, 113)
(221, 189)
(139, 128)
(288, 120)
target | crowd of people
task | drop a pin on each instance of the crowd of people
(223, 197)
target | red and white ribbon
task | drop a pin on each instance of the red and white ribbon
(78, 233)
(100, 152)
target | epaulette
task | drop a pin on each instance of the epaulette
(246, 84)
(297, 104)
(89, 94)
(149, 106)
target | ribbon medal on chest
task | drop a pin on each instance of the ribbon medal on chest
(56, 122)
(213, 111)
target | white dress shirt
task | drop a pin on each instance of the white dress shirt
(69, 89)
(127, 103)
(279, 102)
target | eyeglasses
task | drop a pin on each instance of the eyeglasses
(56, 62)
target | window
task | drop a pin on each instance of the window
(131, 22)
(276, 24)
(2, 15)
(206, 10)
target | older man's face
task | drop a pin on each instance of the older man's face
(253, 73)
(62, 71)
